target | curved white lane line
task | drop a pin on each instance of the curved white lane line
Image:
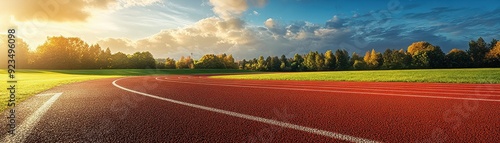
(254, 118)
(352, 92)
(355, 88)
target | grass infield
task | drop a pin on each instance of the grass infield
(480, 75)
(32, 82)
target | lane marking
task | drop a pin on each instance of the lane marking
(24, 130)
(254, 118)
(353, 87)
(404, 87)
(352, 92)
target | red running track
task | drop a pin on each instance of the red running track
(200, 109)
(385, 112)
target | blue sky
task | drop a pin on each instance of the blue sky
(249, 28)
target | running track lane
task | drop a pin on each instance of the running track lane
(98, 111)
(388, 112)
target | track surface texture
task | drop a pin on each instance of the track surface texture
(200, 109)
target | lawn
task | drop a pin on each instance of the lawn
(32, 82)
(482, 75)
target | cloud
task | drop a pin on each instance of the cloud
(64, 10)
(118, 45)
(228, 9)
(255, 13)
(269, 23)
(335, 22)
(209, 35)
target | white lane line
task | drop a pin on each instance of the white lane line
(254, 118)
(27, 126)
(425, 88)
(353, 92)
(355, 88)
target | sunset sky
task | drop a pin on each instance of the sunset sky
(249, 28)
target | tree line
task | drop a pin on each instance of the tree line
(73, 53)
(419, 55)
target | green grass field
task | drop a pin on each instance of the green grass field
(483, 75)
(32, 82)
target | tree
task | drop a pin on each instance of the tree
(477, 51)
(90, 57)
(160, 63)
(275, 64)
(104, 59)
(169, 63)
(342, 57)
(330, 60)
(353, 59)
(426, 55)
(320, 61)
(23, 56)
(142, 60)
(229, 62)
(181, 64)
(419, 47)
(120, 61)
(310, 61)
(457, 59)
(285, 65)
(261, 64)
(60, 53)
(373, 59)
(493, 56)
(210, 61)
(268, 63)
(359, 65)
(420, 60)
(396, 59)
(241, 64)
(297, 63)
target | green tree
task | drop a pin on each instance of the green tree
(275, 64)
(285, 64)
(420, 60)
(120, 61)
(90, 57)
(353, 59)
(320, 61)
(142, 60)
(330, 60)
(268, 63)
(457, 59)
(477, 51)
(160, 63)
(396, 59)
(104, 59)
(310, 61)
(359, 65)
(211, 61)
(261, 64)
(342, 57)
(426, 55)
(297, 63)
(169, 63)
(493, 56)
(60, 53)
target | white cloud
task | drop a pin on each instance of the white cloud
(270, 23)
(255, 13)
(64, 10)
(228, 9)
